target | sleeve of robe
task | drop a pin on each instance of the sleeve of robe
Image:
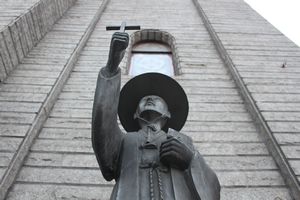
(106, 134)
(202, 179)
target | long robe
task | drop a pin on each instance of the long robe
(134, 163)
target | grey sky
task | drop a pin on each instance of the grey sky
(283, 14)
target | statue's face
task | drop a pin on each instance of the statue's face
(152, 103)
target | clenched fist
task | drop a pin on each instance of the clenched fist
(118, 45)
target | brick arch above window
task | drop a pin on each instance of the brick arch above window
(152, 41)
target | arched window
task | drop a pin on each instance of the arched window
(151, 57)
(152, 51)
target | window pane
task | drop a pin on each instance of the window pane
(143, 63)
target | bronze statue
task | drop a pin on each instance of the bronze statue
(153, 160)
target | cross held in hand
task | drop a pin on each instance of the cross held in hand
(122, 28)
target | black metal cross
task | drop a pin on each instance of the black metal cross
(122, 28)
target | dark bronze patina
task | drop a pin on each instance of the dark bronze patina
(153, 160)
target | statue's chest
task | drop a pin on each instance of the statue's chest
(149, 150)
(154, 176)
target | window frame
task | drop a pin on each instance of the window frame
(153, 36)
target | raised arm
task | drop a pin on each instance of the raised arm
(106, 134)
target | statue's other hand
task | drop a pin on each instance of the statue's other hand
(118, 45)
(175, 154)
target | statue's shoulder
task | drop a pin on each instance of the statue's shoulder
(133, 136)
(181, 136)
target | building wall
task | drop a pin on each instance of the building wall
(265, 65)
(27, 23)
(61, 163)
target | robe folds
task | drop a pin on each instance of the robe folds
(134, 163)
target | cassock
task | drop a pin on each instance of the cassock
(132, 159)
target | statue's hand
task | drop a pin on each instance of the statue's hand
(118, 45)
(175, 154)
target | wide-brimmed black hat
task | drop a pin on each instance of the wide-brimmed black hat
(152, 84)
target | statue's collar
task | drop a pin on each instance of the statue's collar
(152, 136)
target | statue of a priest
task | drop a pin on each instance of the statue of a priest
(153, 160)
